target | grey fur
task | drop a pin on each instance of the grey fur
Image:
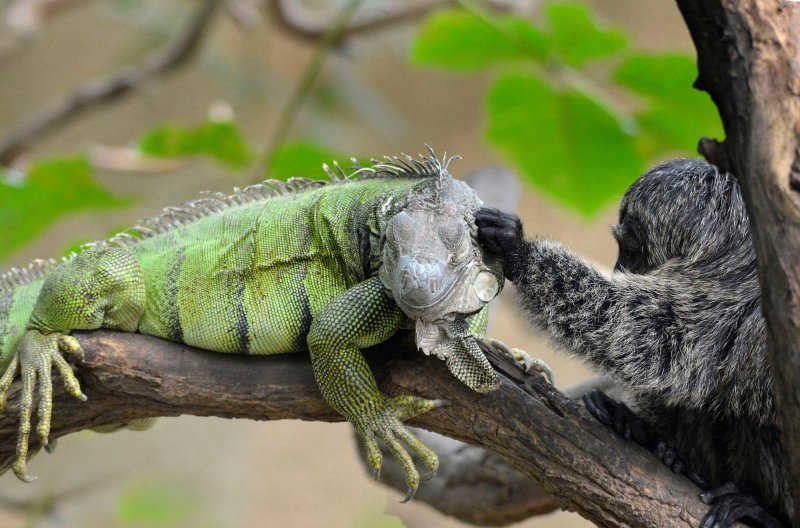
(678, 323)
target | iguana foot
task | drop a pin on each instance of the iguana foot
(35, 358)
(524, 360)
(386, 425)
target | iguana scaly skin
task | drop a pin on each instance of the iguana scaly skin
(331, 268)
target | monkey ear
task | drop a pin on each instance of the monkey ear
(470, 366)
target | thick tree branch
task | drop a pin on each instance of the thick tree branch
(749, 60)
(475, 485)
(99, 91)
(528, 423)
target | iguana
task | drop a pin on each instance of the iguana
(330, 267)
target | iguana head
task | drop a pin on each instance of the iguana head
(436, 272)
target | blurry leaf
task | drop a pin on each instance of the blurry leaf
(51, 189)
(677, 115)
(459, 40)
(564, 143)
(76, 245)
(577, 37)
(154, 503)
(304, 159)
(222, 141)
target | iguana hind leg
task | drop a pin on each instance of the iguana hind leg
(101, 287)
(362, 317)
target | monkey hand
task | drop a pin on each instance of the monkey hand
(501, 235)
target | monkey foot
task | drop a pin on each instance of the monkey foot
(730, 504)
(625, 423)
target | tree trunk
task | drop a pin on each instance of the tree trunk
(748, 54)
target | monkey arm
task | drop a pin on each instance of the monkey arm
(638, 328)
(660, 333)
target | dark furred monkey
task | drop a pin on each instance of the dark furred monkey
(678, 324)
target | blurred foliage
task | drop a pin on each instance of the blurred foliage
(154, 502)
(550, 113)
(458, 40)
(576, 37)
(305, 159)
(675, 116)
(558, 124)
(573, 149)
(221, 141)
(50, 189)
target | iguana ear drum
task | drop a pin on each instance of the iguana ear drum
(486, 286)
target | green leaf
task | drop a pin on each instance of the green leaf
(51, 189)
(577, 37)
(459, 40)
(305, 159)
(676, 115)
(564, 143)
(154, 502)
(220, 140)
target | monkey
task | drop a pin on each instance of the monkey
(677, 324)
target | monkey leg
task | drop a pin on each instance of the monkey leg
(730, 504)
(625, 423)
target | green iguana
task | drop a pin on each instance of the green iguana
(328, 267)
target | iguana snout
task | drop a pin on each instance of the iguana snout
(421, 279)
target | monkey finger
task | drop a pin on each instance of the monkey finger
(491, 217)
(596, 406)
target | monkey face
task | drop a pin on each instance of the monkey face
(632, 255)
(681, 211)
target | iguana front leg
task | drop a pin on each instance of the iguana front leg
(98, 288)
(362, 317)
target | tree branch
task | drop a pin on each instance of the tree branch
(528, 423)
(100, 91)
(748, 55)
(475, 485)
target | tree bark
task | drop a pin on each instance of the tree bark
(527, 422)
(748, 55)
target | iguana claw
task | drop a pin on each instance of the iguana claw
(524, 360)
(386, 426)
(35, 358)
(409, 495)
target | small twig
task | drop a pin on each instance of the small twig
(313, 33)
(305, 86)
(100, 91)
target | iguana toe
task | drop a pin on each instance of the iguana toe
(38, 353)
(407, 407)
(524, 360)
(409, 495)
(7, 379)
